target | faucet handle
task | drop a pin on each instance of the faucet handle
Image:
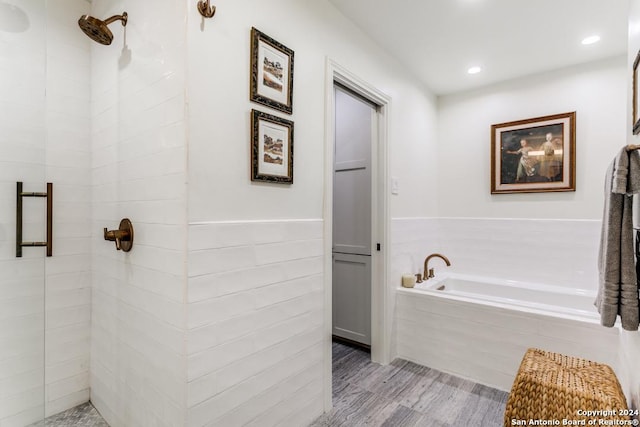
(123, 236)
(431, 273)
(418, 278)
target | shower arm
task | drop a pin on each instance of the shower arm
(206, 9)
(123, 18)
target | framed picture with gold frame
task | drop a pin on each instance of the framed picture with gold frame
(534, 155)
(271, 148)
(271, 72)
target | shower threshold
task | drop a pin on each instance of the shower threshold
(84, 415)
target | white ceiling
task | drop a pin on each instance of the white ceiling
(440, 39)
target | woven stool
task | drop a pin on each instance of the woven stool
(552, 386)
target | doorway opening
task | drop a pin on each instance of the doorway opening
(355, 135)
(356, 218)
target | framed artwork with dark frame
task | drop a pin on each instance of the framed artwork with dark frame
(636, 98)
(271, 72)
(534, 155)
(271, 148)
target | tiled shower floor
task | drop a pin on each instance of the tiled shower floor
(84, 415)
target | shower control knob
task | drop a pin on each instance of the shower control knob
(123, 236)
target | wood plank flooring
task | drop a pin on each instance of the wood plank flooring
(404, 394)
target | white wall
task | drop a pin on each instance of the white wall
(549, 238)
(600, 93)
(138, 365)
(596, 91)
(219, 111)
(240, 229)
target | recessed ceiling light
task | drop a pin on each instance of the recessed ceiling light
(591, 40)
(474, 70)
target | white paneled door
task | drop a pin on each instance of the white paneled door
(354, 137)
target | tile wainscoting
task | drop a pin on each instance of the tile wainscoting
(255, 327)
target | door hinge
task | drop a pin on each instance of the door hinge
(378, 247)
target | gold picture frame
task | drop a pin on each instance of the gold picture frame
(271, 148)
(534, 155)
(271, 82)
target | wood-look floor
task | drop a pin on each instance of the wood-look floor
(404, 394)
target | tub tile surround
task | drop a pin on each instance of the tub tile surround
(486, 346)
(412, 239)
(255, 319)
(554, 252)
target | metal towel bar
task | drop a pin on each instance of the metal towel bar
(19, 195)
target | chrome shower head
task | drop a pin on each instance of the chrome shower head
(97, 29)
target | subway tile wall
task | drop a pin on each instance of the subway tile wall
(255, 340)
(22, 158)
(555, 252)
(439, 333)
(45, 303)
(412, 239)
(68, 160)
(486, 344)
(138, 350)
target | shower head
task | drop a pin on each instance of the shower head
(97, 29)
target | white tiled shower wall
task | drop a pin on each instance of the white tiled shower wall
(44, 110)
(22, 158)
(138, 349)
(68, 157)
(255, 340)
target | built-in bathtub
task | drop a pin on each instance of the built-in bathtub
(479, 328)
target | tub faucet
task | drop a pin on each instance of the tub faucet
(428, 272)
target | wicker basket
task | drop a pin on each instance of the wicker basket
(552, 386)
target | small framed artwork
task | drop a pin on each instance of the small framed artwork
(636, 97)
(271, 148)
(271, 72)
(534, 155)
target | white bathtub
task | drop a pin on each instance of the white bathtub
(479, 328)
(511, 294)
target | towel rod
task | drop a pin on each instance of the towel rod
(632, 147)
